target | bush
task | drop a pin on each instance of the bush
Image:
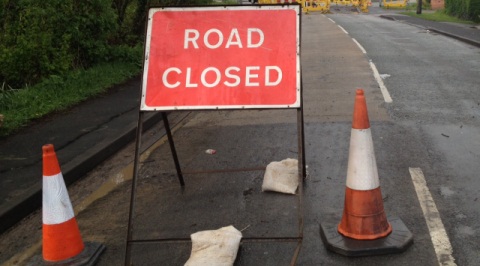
(464, 9)
(475, 10)
(42, 38)
(56, 53)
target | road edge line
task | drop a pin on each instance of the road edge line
(359, 46)
(346, 32)
(383, 88)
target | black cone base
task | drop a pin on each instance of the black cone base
(397, 241)
(89, 257)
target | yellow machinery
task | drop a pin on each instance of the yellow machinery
(321, 5)
(364, 4)
(395, 3)
(345, 2)
(307, 5)
(315, 5)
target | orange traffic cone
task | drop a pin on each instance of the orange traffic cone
(61, 237)
(364, 228)
(363, 213)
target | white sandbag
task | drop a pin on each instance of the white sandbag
(215, 247)
(281, 176)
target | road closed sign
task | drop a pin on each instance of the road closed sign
(222, 58)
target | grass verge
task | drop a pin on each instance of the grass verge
(407, 7)
(438, 15)
(56, 93)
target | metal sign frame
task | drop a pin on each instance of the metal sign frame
(298, 106)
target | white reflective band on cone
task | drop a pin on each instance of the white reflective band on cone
(362, 171)
(57, 207)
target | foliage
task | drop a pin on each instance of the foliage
(56, 53)
(61, 92)
(465, 9)
(43, 38)
(6, 95)
(475, 10)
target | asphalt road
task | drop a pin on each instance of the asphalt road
(434, 82)
(431, 124)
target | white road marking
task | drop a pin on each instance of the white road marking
(383, 89)
(331, 20)
(438, 234)
(343, 29)
(359, 46)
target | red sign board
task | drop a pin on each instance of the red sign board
(222, 58)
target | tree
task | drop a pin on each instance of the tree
(419, 7)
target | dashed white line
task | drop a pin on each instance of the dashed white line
(343, 29)
(359, 46)
(438, 234)
(383, 89)
(386, 95)
(331, 20)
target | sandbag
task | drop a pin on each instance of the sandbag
(281, 176)
(215, 247)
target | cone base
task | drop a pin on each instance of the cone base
(397, 241)
(89, 257)
(363, 215)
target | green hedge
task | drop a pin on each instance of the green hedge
(464, 9)
(42, 38)
(475, 10)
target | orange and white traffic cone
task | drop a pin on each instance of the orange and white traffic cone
(364, 227)
(61, 237)
(363, 213)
